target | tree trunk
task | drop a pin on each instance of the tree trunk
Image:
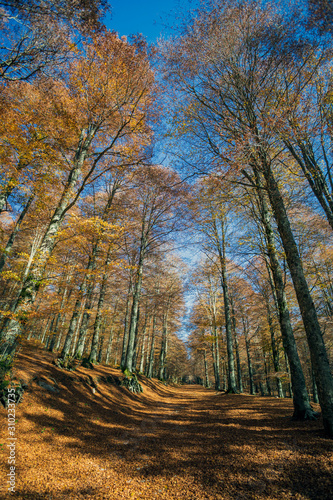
(318, 352)
(98, 319)
(43, 335)
(144, 339)
(221, 247)
(249, 363)
(216, 355)
(109, 347)
(207, 384)
(128, 365)
(100, 351)
(34, 279)
(164, 346)
(275, 351)
(125, 337)
(290, 389)
(266, 368)
(302, 407)
(16, 229)
(314, 389)
(117, 349)
(136, 341)
(152, 350)
(239, 368)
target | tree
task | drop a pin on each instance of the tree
(230, 59)
(104, 103)
(35, 34)
(161, 208)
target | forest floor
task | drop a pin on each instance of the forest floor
(181, 443)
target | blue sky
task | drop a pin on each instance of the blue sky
(148, 17)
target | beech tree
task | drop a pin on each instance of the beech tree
(35, 35)
(161, 210)
(226, 64)
(107, 119)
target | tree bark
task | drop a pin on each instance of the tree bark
(164, 346)
(239, 367)
(221, 247)
(302, 406)
(249, 361)
(100, 305)
(128, 365)
(126, 321)
(152, 350)
(34, 279)
(318, 352)
(144, 340)
(16, 229)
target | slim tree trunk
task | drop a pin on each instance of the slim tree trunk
(117, 348)
(136, 341)
(266, 368)
(144, 339)
(100, 351)
(275, 351)
(152, 350)
(221, 247)
(239, 367)
(128, 365)
(109, 346)
(100, 305)
(249, 360)
(163, 351)
(126, 321)
(207, 384)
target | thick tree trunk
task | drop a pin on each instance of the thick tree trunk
(302, 406)
(290, 389)
(318, 352)
(16, 229)
(34, 279)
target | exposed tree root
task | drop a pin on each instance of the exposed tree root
(308, 414)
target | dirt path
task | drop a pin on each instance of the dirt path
(167, 443)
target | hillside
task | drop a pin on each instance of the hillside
(168, 443)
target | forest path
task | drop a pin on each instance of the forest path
(167, 443)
